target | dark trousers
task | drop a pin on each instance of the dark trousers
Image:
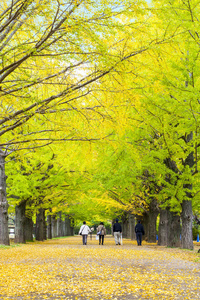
(101, 238)
(139, 238)
(84, 239)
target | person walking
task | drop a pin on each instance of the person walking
(84, 230)
(102, 233)
(117, 230)
(139, 230)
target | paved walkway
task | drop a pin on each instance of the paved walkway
(65, 269)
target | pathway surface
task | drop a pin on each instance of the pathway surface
(65, 269)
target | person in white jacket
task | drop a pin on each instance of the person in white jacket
(84, 230)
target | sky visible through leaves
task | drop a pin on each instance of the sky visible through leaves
(65, 269)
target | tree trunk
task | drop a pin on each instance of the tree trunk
(186, 234)
(128, 228)
(186, 214)
(4, 234)
(65, 226)
(28, 229)
(113, 222)
(20, 218)
(44, 226)
(71, 231)
(71, 226)
(49, 228)
(163, 228)
(145, 223)
(125, 226)
(39, 230)
(152, 218)
(132, 227)
(151, 238)
(59, 225)
(169, 229)
(54, 226)
(174, 230)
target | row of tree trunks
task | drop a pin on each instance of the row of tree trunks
(43, 230)
(60, 226)
(170, 233)
(148, 220)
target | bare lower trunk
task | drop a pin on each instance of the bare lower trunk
(163, 228)
(149, 222)
(4, 235)
(39, 230)
(44, 226)
(71, 219)
(65, 226)
(153, 214)
(169, 229)
(113, 222)
(49, 228)
(69, 226)
(54, 226)
(71, 230)
(186, 214)
(145, 223)
(174, 230)
(151, 238)
(28, 229)
(125, 226)
(59, 225)
(20, 217)
(132, 227)
(186, 234)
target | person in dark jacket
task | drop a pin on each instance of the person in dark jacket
(139, 230)
(117, 230)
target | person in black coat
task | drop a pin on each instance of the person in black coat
(117, 231)
(139, 230)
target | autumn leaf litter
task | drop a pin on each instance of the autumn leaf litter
(65, 269)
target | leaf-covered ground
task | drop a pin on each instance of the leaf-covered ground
(65, 269)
